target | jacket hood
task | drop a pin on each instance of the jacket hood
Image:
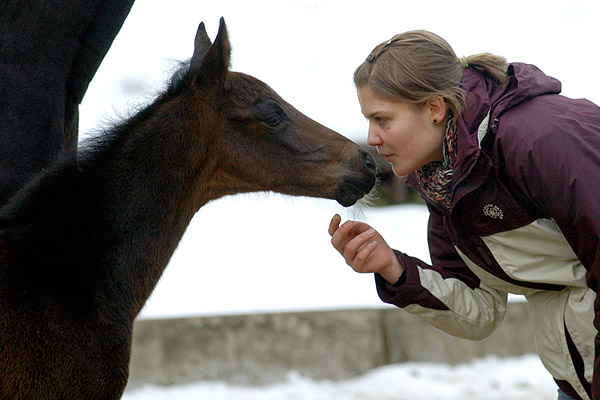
(483, 96)
(525, 81)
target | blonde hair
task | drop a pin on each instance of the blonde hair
(417, 65)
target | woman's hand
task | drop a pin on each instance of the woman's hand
(364, 249)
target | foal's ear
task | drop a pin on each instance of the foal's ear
(211, 63)
(201, 45)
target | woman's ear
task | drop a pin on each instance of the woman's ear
(437, 109)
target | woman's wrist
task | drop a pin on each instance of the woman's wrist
(394, 271)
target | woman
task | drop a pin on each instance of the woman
(510, 172)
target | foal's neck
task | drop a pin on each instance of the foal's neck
(149, 184)
(94, 234)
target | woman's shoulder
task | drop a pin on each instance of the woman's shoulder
(551, 114)
(548, 134)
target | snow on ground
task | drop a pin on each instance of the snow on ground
(491, 378)
(269, 253)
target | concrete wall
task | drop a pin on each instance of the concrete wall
(262, 349)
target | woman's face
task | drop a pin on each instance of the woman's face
(407, 135)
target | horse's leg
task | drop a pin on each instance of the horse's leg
(49, 52)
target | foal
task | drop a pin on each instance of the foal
(83, 245)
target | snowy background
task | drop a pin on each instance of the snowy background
(520, 378)
(239, 250)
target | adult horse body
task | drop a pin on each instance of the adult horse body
(83, 245)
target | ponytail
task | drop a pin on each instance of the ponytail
(494, 66)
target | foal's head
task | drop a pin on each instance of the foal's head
(259, 142)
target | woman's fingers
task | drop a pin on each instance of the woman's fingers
(356, 241)
(334, 224)
(359, 248)
(354, 245)
(361, 261)
(364, 249)
(340, 235)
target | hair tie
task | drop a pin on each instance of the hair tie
(385, 44)
(463, 62)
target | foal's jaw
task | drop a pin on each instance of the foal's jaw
(341, 172)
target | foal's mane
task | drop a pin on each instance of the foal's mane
(176, 84)
(68, 167)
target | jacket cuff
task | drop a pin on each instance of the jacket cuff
(393, 293)
(408, 289)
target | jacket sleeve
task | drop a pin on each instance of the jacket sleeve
(446, 294)
(557, 167)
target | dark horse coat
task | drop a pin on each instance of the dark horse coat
(49, 52)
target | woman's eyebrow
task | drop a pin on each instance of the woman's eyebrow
(374, 114)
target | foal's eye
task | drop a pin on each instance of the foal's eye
(274, 119)
(274, 116)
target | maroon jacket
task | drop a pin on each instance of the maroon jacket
(525, 218)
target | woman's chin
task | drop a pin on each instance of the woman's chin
(401, 171)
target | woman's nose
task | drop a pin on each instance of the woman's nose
(373, 139)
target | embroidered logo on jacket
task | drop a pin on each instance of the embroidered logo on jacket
(493, 211)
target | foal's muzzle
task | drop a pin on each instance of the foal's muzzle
(357, 183)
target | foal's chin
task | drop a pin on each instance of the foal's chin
(352, 189)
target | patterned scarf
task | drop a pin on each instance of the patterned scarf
(435, 178)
